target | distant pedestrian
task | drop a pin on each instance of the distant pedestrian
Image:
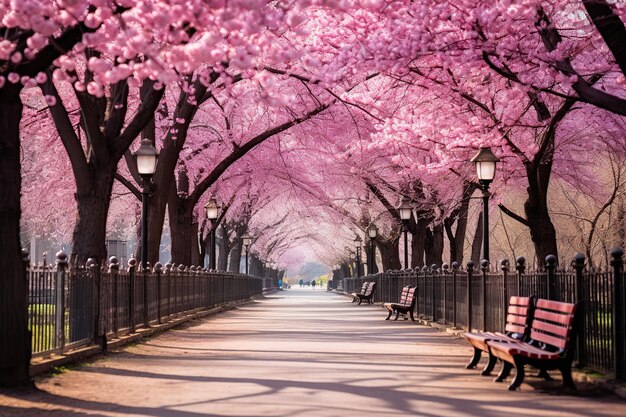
(313, 284)
(301, 283)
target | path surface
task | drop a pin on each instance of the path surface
(297, 353)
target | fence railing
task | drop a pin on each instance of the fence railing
(476, 298)
(71, 307)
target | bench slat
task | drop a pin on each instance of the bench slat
(514, 328)
(556, 306)
(565, 319)
(548, 339)
(520, 301)
(512, 318)
(553, 329)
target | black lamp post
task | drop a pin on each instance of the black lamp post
(405, 209)
(212, 212)
(357, 243)
(247, 241)
(485, 162)
(146, 157)
(372, 232)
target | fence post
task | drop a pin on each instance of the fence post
(59, 321)
(158, 270)
(433, 273)
(114, 268)
(484, 267)
(470, 272)
(444, 276)
(168, 285)
(455, 269)
(581, 300)
(551, 279)
(520, 266)
(505, 266)
(99, 334)
(619, 321)
(132, 268)
(145, 272)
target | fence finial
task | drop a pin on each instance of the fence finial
(505, 265)
(520, 264)
(550, 262)
(445, 268)
(616, 254)
(132, 262)
(61, 258)
(158, 267)
(484, 265)
(455, 265)
(91, 263)
(579, 260)
(114, 264)
(26, 256)
(470, 265)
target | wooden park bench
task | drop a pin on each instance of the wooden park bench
(551, 345)
(368, 294)
(355, 298)
(406, 304)
(517, 328)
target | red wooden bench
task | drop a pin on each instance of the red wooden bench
(363, 289)
(406, 304)
(518, 317)
(368, 295)
(551, 344)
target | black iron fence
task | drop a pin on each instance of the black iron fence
(476, 298)
(71, 307)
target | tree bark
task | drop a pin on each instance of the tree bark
(225, 246)
(89, 235)
(389, 253)
(235, 257)
(542, 231)
(15, 338)
(477, 242)
(181, 229)
(419, 240)
(434, 246)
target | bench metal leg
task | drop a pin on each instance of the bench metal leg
(566, 371)
(411, 312)
(504, 372)
(519, 375)
(474, 361)
(397, 315)
(545, 375)
(490, 365)
(360, 300)
(389, 316)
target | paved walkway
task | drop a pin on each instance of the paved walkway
(300, 352)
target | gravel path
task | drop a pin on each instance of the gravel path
(300, 352)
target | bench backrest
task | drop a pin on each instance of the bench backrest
(370, 289)
(408, 296)
(364, 287)
(518, 317)
(552, 324)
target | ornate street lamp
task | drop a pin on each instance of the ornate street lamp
(372, 232)
(247, 241)
(405, 210)
(146, 157)
(485, 162)
(212, 213)
(357, 243)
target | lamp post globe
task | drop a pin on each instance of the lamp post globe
(212, 213)
(485, 162)
(146, 157)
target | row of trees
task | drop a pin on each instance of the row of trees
(307, 120)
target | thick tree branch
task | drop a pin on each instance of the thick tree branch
(129, 185)
(238, 153)
(513, 215)
(68, 136)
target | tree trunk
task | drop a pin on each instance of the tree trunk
(542, 231)
(477, 242)
(418, 241)
(15, 338)
(197, 255)
(89, 236)
(224, 248)
(235, 257)
(389, 253)
(256, 267)
(457, 239)
(181, 230)
(434, 246)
